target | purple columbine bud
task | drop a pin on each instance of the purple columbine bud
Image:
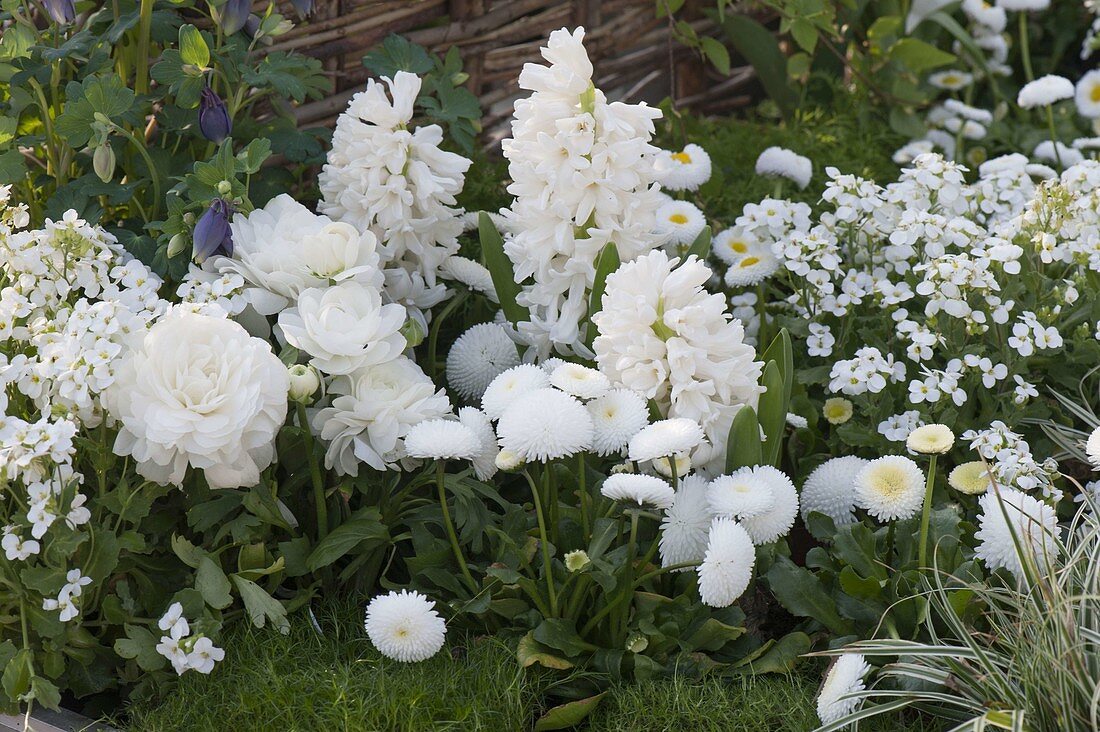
(302, 7)
(233, 15)
(214, 120)
(212, 234)
(62, 11)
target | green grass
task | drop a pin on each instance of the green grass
(337, 682)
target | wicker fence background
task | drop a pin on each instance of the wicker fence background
(628, 44)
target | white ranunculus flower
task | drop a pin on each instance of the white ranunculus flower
(284, 248)
(373, 410)
(199, 391)
(344, 327)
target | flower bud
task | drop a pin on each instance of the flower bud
(304, 382)
(303, 7)
(577, 560)
(212, 234)
(103, 162)
(637, 643)
(214, 121)
(176, 245)
(413, 332)
(837, 410)
(63, 12)
(233, 15)
(507, 460)
(664, 466)
(225, 188)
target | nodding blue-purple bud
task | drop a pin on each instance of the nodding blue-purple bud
(212, 233)
(233, 15)
(214, 121)
(63, 12)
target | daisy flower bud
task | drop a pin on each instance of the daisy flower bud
(837, 410)
(577, 560)
(931, 439)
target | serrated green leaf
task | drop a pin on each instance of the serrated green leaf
(211, 581)
(260, 606)
(798, 590)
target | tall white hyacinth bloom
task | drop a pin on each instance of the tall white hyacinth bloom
(198, 390)
(661, 334)
(283, 249)
(583, 173)
(396, 182)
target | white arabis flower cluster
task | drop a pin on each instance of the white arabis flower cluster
(583, 176)
(186, 651)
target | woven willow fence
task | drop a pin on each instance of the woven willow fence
(628, 44)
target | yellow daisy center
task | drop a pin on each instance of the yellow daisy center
(739, 246)
(682, 157)
(1094, 93)
(748, 262)
(678, 218)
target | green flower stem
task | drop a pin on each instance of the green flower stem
(573, 606)
(547, 565)
(140, 146)
(663, 570)
(1053, 136)
(582, 497)
(145, 25)
(320, 500)
(1025, 48)
(433, 335)
(551, 494)
(450, 527)
(926, 513)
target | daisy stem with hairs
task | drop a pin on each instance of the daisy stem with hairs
(320, 500)
(450, 527)
(551, 494)
(777, 191)
(926, 513)
(1025, 48)
(544, 541)
(1053, 137)
(582, 496)
(761, 310)
(663, 570)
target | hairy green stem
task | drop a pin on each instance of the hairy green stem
(1025, 47)
(320, 500)
(926, 514)
(544, 541)
(450, 527)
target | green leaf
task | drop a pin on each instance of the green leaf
(12, 167)
(211, 581)
(500, 267)
(188, 553)
(140, 645)
(253, 155)
(606, 263)
(290, 75)
(743, 447)
(529, 652)
(773, 413)
(261, 607)
(16, 678)
(716, 53)
(780, 656)
(45, 693)
(364, 526)
(97, 95)
(193, 48)
(561, 634)
(799, 590)
(804, 34)
(919, 56)
(569, 715)
(701, 246)
(781, 351)
(713, 634)
(861, 588)
(398, 54)
(760, 48)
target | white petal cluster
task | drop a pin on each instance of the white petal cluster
(779, 162)
(397, 183)
(662, 335)
(685, 527)
(199, 391)
(186, 651)
(283, 249)
(1015, 529)
(843, 679)
(1045, 91)
(544, 424)
(442, 439)
(617, 416)
(727, 566)
(583, 173)
(890, 487)
(638, 489)
(831, 489)
(685, 170)
(405, 626)
(477, 357)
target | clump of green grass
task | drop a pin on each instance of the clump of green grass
(337, 681)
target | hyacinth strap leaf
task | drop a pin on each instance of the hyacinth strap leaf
(743, 446)
(701, 246)
(500, 268)
(781, 351)
(761, 48)
(569, 715)
(607, 262)
(773, 412)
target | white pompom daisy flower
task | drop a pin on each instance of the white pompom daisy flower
(1092, 447)
(680, 221)
(727, 565)
(644, 490)
(890, 487)
(580, 381)
(685, 527)
(484, 462)
(665, 437)
(544, 424)
(970, 478)
(685, 170)
(844, 677)
(1045, 91)
(404, 626)
(477, 357)
(740, 494)
(681, 462)
(951, 79)
(441, 439)
(930, 439)
(470, 273)
(779, 162)
(1054, 152)
(733, 244)
(778, 518)
(831, 489)
(1023, 6)
(1034, 523)
(1087, 94)
(510, 384)
(616, 417)
(752, 269)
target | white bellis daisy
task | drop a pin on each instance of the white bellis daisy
(404, 626)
